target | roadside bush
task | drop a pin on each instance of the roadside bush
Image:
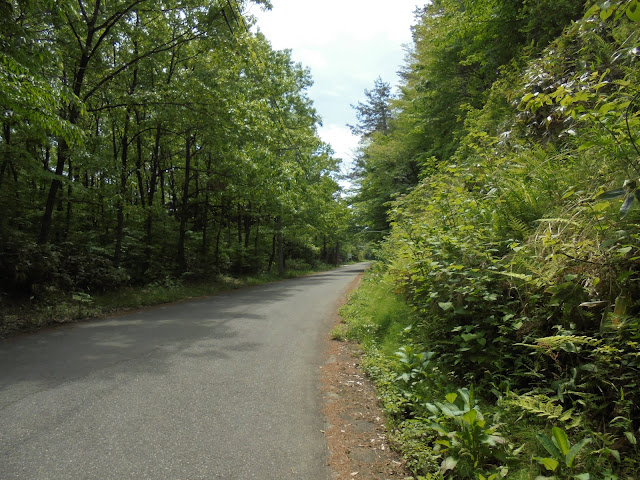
(519, 258)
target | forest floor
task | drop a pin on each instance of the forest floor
(356, 434)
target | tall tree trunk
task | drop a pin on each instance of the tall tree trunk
(325, 253)
(216, 257)
(73, 116)
(257, 237)
(151, 191)
(205, 215)
(184, 210)
(56, 184)
(239, 224)
(6, 134)
(67, 227)
(280, 246)
(205, 228)
(117, 256)
(139, 161)
(273, 253)
(247, 227)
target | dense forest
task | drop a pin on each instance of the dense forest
(501, 322)
(147, 141)
(144, 140)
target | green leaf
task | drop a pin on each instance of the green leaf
(571, 455)
(548, 445)
(438, 428)
(631, 437)
(607, 107)
(470, 416)
(615, 454)
(626, 206)
(561, 440)
(619, 192)
(548, 463)
(432, 408)
(633, 12)
(606, 12)
(445, 305)
(582, 476)
(592, 11)
(451, 397)
(448, 463)
(600, 207)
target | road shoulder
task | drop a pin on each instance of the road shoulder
(355, 424)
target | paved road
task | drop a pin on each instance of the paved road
(219, 388)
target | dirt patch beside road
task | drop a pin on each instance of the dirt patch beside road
(355, 432)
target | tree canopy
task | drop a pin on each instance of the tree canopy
(145, 139)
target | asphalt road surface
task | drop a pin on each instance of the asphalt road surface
(225, 387)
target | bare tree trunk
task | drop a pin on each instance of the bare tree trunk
(69, 192)
(257, 238)
(6, 133)
(151, 191)
(273, 254)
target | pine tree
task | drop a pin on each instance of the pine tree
(373, 115)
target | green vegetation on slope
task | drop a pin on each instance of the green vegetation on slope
(516, 249)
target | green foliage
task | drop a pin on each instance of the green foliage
(563, 454)
(468, 444)
(517, 246)
(544, 407)
(384, 323)
(142, 141)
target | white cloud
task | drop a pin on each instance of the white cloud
(316, 23)
(343, 142)
(347, 44)
(314, 59)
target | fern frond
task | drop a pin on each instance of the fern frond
(544, 407)
(518, 226)
(557, 342)
(562, 342)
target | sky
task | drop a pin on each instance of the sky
(346, 44)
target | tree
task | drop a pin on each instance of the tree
(142, 140)
(375, 114)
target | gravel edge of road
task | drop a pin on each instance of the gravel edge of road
(355, 430)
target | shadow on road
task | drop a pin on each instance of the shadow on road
(208, 327)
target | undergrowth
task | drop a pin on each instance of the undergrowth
(511, 275)
(445, 429)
